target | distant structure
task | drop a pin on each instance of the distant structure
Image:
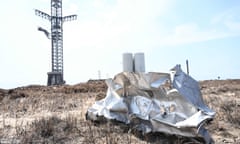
(55, 77)
(133, 63)
(187, 65)
(128, 62)
(139, 62)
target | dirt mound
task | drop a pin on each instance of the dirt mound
(56, 114)
(3, 92)
(223, 96)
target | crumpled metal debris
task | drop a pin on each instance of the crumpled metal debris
(165, 102)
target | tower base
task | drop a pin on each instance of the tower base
(55, 78)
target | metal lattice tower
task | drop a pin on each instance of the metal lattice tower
(55, 77)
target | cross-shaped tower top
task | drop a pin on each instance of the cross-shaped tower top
(55, 77)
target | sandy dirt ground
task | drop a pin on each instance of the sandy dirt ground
(56, 114)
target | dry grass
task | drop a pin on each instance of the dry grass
(223, 96)
(49, 130)
(231, 111)
(40, 114)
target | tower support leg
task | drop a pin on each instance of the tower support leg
(55, 78)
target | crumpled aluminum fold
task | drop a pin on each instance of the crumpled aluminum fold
(170, 103)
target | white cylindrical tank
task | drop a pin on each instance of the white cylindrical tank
(128, 62)
(139, 62)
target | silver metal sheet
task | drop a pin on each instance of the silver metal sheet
(171, 102)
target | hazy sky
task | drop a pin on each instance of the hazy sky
(206, 32)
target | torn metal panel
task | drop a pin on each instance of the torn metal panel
(189, 89)
(162, 102)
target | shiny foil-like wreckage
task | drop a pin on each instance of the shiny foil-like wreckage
(171, 103)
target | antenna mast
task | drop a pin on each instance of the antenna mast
(55, 77)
